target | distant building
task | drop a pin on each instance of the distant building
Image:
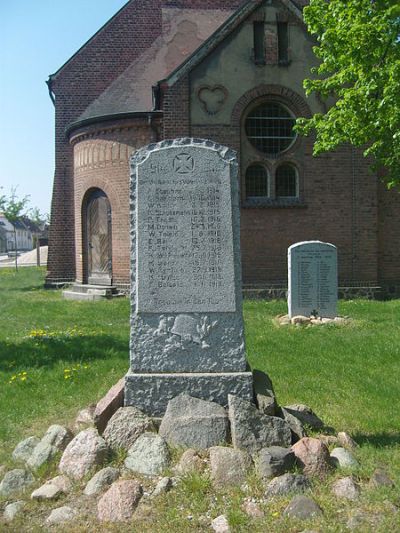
(233, 72)
(24, 235)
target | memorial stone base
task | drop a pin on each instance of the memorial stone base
(152, 392)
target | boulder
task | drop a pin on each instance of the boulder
(42, 454)
(252, 430)
(300, 320)
(120, 501)
(252, 509)
(346, 488)
(163, 486)
(287, 483)
(52, 489)
(85, 418)
(125, 426)
(149, 455)
(83, 453)
(229, 466)
(266, 404)
(296, 427)
(55, 439)
(24, 449)
(15, 481)
(109, 404)
(313, 456)
(12, 510)
(342, 458)
(302, 508)
(194, 423)
(345, 441)
(274, 461)
(61, 515)
(306, 416)
(380, 478)
(101, 480)
(189, 462)
(220, 524)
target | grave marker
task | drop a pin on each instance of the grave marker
(312, 279)
(186, 303)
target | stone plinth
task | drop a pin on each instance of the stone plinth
(186, 304)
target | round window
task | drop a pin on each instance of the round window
(269, 127)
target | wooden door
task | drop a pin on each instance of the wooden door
(99, 239)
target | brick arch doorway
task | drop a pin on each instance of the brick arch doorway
(98, 249)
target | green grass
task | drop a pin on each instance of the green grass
(72, 352)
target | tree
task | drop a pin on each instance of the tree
(359, 50)
(12, 208)
(39, 218)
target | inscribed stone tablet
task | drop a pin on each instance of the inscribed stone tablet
(312, 279)
(184, 233)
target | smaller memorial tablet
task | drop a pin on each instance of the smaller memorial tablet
(312, 279)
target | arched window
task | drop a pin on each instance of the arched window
(256, 181)
(286, 185)
(269, 127)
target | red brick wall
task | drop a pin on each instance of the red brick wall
(389, 235)
(338, 198)
(101, 160)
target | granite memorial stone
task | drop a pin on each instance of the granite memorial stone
(312, 279)
(186, 306)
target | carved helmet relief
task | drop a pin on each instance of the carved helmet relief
(212, 98)
(185, 329)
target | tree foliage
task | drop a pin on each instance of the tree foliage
(359, 52)
(13, 208)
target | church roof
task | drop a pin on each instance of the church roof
(187, 36)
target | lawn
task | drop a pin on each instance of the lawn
(58, 356)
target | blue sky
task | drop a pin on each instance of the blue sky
(36, 38)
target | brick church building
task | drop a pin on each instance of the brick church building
(231, 71)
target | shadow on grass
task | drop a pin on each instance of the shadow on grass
(378, 440)
(32, 353)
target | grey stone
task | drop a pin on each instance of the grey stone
(229, 466)
(346, 488)
(85, 418)
(57, 436)
(342, 458)
(274, 461)
(302, 508)
(61, 515)
(108, 405)
(380, 478)
(189, 462)
(15, 481)
(186, 319)
(101, 480)
(144, 389)
(312, 455)
(43, 453)
(12, 510)
(149, 455)
(24, 449)
(163, 486)
(312, 279)
(83, 453)
(192, 422)
(287, 483)
(220, 524)
(252, 430)
(125, 426)
(120, 501)
(346, 441)
(296, 427)
(266, 404)
(306, 415)
(52, 489)
(252, 509)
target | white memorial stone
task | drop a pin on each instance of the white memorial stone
(186, 303)
(312, 279)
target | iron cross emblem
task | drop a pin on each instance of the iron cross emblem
(183, 163)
